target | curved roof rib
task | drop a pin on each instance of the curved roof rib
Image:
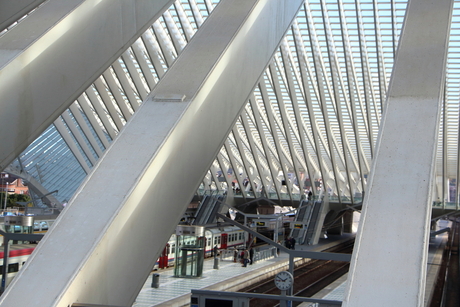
(313, 117)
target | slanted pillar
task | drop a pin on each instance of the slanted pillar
(11, 11)
(389, 261)
(46, 61)
(107, 240)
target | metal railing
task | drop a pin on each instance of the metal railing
(270, 252)
(259, 255)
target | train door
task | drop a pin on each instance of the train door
(224, 241)
(163, 261)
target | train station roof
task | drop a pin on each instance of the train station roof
(270, 98)
(312, 119)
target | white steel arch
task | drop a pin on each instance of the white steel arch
(324, 93)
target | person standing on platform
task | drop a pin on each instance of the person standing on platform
(287, 243)
(292, 243)
(245, 258)
(235, 254)
(251, 255)
(215, 249)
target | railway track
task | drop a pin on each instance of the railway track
(309, 278)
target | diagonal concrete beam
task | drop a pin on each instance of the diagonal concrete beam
(52, 56)
(11, 11)
(389, 261)
(107, 240)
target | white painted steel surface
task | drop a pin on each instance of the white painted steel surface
(333, 68)
(11, 11)
(48, 60)
(390, 255)
(104, 244)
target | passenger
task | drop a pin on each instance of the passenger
(292, 243)
(287, 243)
(215, 250)
(251, 255)
(245, 258)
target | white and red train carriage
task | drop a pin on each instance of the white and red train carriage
(17, 257)
(222, 237)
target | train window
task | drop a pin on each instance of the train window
(12, 268)
(173, 249)
(36, 226)
(215, 240)
(218, 240)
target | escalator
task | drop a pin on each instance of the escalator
(307, 216)
(209, 207)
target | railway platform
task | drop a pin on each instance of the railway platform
(176, 292)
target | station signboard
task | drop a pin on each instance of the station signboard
(261, 223)
(297, 225)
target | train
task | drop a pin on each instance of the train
(228, 237)
(39, 226)
(17, 257)
(19, 253)
(221, 237)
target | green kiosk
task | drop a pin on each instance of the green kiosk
(190, 249)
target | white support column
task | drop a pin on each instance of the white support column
(52, 56)
(389, 261)
(108, 238)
